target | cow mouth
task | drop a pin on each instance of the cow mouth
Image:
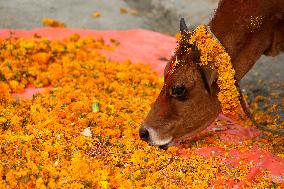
(167, 145)
(164, 147)
(177, 140)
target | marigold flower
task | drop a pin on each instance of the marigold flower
(52, 23)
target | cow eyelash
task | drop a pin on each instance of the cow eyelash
(178, 91)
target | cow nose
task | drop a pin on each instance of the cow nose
(144, 134)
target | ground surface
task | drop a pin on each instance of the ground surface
(162, 16)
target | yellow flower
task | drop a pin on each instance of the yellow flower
(52, 22)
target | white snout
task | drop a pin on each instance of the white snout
(155, 138)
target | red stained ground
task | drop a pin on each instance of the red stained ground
(150, 47)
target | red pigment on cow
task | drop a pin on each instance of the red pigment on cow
(171, 70)
(163, 98)
(164, 105)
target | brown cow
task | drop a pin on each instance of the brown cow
(247, 29)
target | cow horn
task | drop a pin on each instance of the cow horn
(183, 27)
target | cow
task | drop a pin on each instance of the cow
(246, 29)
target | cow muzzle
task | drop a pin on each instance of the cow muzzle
(151, 136)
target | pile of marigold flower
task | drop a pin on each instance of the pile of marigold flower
(42, 140)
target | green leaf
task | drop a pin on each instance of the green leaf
(273, 185)
(39, 167)
(95, 107)
(2, 77)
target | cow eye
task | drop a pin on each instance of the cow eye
(178, 91)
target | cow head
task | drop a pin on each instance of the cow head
(188, 100)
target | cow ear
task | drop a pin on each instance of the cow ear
(209, 77)
(208, 74)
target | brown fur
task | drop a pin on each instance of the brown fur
(247, 29)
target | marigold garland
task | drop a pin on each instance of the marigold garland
(213, 52)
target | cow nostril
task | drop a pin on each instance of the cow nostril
(144, 134)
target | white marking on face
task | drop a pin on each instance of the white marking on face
(155, 139)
